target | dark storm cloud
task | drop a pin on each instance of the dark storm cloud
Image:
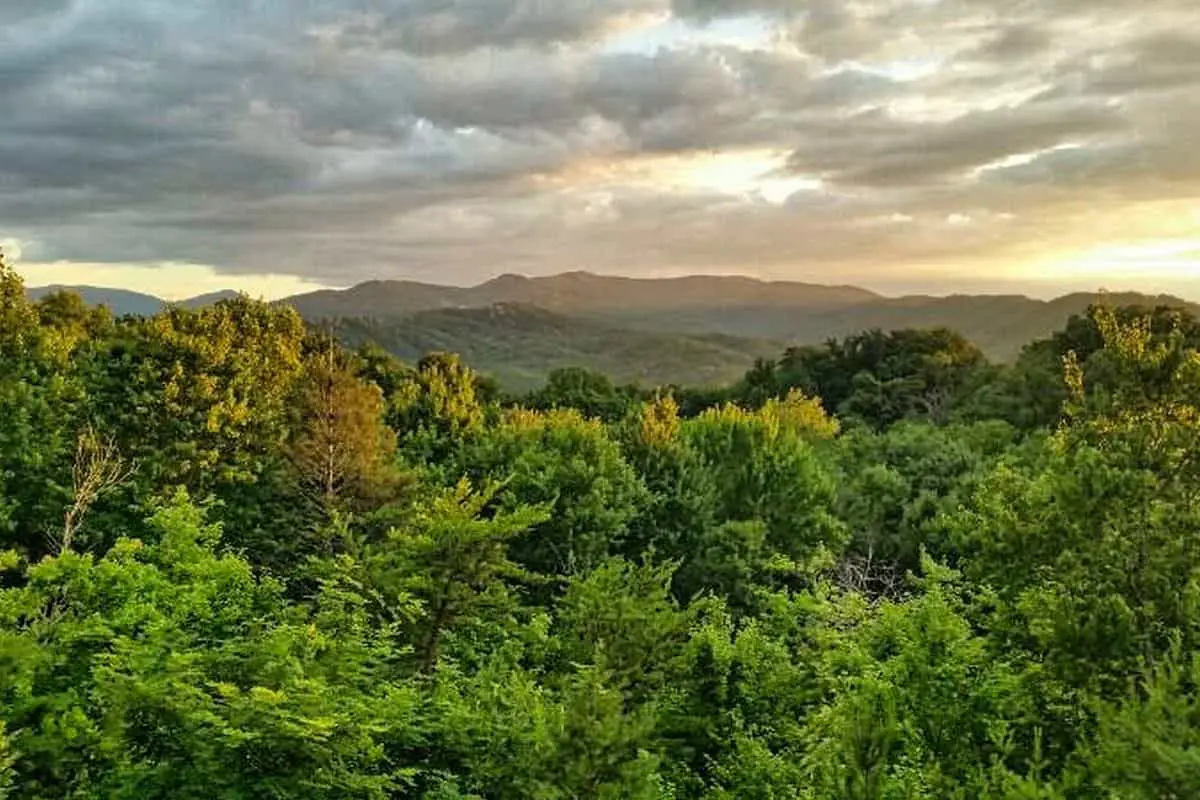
(345, 139)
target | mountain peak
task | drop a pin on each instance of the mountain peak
(508, 277)
(211, 298)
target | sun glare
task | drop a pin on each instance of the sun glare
(1169, 265)
(749, 174)
(754, 175)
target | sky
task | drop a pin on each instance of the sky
(277, 146)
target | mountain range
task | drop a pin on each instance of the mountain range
(122, 302)
(697, 329)
(584, 293)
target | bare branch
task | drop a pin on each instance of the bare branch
(868, 576)
(98, 468)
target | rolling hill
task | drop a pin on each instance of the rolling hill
(797, 313)
(582, 293)
(698, 329)
(520, 344)
(125, 303)
(119, 301)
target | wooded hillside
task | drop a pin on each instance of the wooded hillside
(238, 560)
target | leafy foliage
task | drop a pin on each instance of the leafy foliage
(238, 561)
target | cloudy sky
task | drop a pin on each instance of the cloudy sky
(905, 145)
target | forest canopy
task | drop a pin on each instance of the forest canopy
(239, 560)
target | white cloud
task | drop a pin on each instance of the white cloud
(12, 249)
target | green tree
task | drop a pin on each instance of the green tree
(199, 397)
(895, 486)
(766, 468)
(19, 331)
(1090, 548)
(68, 323)
(446, 572)
(561, 460)
(436, 410)
(40, 404)
(881, 378)
(165, 670)
(590, 393)
(917, 706)
(1147, 743)
(341, 449)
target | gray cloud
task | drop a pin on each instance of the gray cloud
(1015, 42)
(1156, 62)
(716, 9)
(877, 149)
(360, 139)
(435, 27)
(23, 11)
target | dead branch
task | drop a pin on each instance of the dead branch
(98, 468)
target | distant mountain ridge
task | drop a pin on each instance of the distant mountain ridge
(122, 302)
(798, 313)
(621, 325)
(119, 301)
(578, 293)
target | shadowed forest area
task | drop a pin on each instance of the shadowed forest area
(239, 560)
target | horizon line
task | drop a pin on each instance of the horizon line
(866, 289)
